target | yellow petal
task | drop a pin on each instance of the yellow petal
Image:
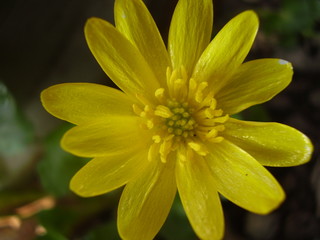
(119, 58)
(146, 202)
(227, 50)
(253, 83)
(190, 32)
(111, 135)
(82, 102)
(200, 199)
(134, 21)
(243, 180)
(272, 144)
(104, 174)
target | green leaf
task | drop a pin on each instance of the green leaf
(177, 226)
(17, 148)
(57, 166)
(104, 231)
(293, 19)
(57, 222)
(14, 126)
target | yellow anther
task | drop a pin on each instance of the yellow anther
(213, 103)
(153, 152)
(213, 133)
(163, 111)
(150, 124)
(147, 109)
(136, 109)
(218, 113)
(222, 119)
(216, 139)
(199, 92)
(165, 149)
(209, 113)
(199, 148)
(156, 138)
(220, 128)
(143, 114)
(159, 93)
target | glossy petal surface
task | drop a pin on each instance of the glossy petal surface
(82, 102)
(105, 136)
(134, 21)
(190, 32)
(146, 201)
(242, 179)
(272, 144)
(198, 193)
(227, 50)
(254, 82)
(104, 174)
(119, 58)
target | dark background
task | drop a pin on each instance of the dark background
(42, 43)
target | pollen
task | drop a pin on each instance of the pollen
(182, 118)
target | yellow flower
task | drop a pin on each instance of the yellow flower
(170, 128)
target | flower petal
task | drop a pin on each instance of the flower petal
(253, 83)
(82, 102)
(111, 135)
(190, 32)
(134, 21)
(119, 58)
(243, 180)
(272, 144)
(227, 50)
(200, 199)
(146, 202)
(104, 174)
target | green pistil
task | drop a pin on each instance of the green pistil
(181, 122)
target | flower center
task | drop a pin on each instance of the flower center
(181, 122)
(183, 118)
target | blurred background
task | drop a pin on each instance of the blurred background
(42, 43)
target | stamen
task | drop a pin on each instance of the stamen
(182, 116)
(136, 109)
(199, 148)
(212, 133)
(150, 124)
(164, 150)
(199, 92)
(156, 138)
(163, 111)
(179, 89)
(153, 152)
(159, 94)
(221, 119)
(216, 139)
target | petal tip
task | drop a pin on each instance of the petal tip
(250, 15)
(274, 203)
(285, 62)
